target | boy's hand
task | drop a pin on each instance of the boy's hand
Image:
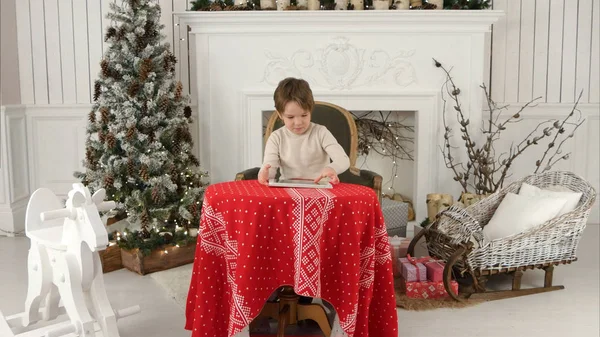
(263, 175)
(330, 173)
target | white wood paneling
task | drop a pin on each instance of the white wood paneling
(82, 63)
(53, 52)
(555, 47)
(594, 57)
(67, 50)
(25, 53)
(166, 18)
(526, 50)
(540, 58)
(95, 29)
(57, 140)
(569, 52)
(498, 64)
(183, 59)
(38, 50)
(105, 4)
(584, 45)
(513, 24)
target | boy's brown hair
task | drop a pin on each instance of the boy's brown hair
(293, 90)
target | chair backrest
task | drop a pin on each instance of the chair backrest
(336, 119)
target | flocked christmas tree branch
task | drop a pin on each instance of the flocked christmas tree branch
(485, 171)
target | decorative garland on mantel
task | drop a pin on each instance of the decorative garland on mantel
(249, 5)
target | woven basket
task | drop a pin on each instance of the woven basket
(554, 241)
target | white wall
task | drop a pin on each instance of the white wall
(9, 62)
(547, 48)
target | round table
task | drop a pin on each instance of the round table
(326, 243)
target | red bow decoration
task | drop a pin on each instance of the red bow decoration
(414, 261)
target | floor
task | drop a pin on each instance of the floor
(574, 311)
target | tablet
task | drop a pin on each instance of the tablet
(299, 183)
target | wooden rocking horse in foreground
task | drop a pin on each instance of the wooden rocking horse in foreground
(63, 263)
(456, 237)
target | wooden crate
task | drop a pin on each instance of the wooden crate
(111, 258)
(159, 259)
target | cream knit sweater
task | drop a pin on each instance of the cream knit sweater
(305, 155)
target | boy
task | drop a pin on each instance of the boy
(301, 149)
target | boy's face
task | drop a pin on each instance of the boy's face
(295, 119)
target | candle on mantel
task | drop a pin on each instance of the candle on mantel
(314, 5)
(359, 5)
(402, 4)
(381, 4)
(264, 4)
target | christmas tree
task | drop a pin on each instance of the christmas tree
(138, 146)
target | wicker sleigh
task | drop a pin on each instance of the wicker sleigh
(456, 237)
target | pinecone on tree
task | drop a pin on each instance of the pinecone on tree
(144, 108)
(194, 160)
(151, 136)
(176, 147)
(130, 167)
(133, 89)
(133, 3)
(89, 155)
(96, 90)
(121, 33)
(105, 68)
(169, 63)
(156, 196)
(145, 219)
(130, 133)
(164, 103)
(109, 181)
(111, 141)
(144, 173)
(104, 115)
(92, 117)
(192, 209)
(101, 136)
(110, 32)
(187, 112)
(178, 90)
(145, 69)
(150, 30)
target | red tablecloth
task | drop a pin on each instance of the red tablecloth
(326, 243)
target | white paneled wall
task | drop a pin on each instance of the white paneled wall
(547, 49)
(541, 48)
(61, 43)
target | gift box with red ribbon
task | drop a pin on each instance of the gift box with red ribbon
(435, 270)
(426, 289)
(412, 270)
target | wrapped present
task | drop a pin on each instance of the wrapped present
(426, 289)
(435, 270)
(412, 270)
(398, 249)
(395, 214)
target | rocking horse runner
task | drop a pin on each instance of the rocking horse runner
(63, 263)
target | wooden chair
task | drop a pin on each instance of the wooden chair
(341, 124)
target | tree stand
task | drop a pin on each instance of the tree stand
(64, 263)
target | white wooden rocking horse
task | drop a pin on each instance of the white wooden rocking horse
(63, 263)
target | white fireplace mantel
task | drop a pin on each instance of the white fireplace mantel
(361, 60)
